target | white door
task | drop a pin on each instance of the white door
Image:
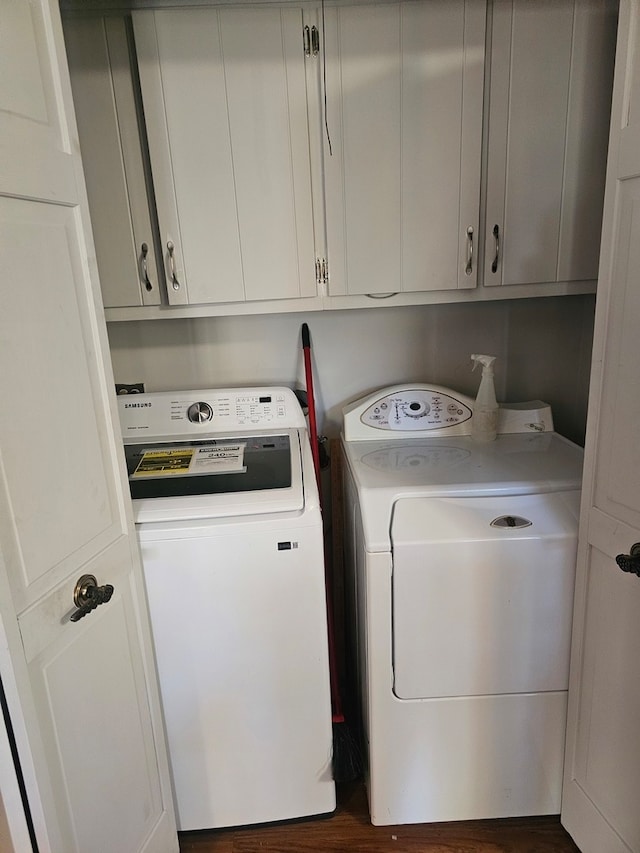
(602, 767)
(82, 695)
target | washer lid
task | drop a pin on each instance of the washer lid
(209, 466)
(216, 477)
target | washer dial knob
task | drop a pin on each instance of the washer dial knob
(199, 413)
(416, 409)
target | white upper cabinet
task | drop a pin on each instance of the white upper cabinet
(225, 104)
(404, 115)
(381, 159)
(551, 68)
(111, 139)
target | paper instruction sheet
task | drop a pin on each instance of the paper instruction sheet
(191, 461)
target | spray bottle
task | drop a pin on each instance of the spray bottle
(485, 412)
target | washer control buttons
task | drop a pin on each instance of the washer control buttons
(199, 413)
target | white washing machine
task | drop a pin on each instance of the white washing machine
(228, 519)
(460, 561)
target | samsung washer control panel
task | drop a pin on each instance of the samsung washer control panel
(416, 409)
(210, 411)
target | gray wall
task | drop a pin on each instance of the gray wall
(543, 349)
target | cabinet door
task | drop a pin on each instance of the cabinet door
(404, 110)
(550, 93)
(112, 144)
(224, 94)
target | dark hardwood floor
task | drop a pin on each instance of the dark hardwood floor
(350, 830)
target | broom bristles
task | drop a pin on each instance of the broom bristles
(347, 760)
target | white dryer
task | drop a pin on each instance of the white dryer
(228, 519)
(461, 560)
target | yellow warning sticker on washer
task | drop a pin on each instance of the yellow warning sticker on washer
(158, 463)
(213, 458)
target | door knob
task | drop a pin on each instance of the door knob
(87, 595)
(630, 562)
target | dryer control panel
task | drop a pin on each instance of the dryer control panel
(416, 409)
(431, 410)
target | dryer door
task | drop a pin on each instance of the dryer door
(482, 603)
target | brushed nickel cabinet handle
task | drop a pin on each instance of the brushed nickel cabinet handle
(172, 266)
(144, 251)
(469, 267)
(496, 257)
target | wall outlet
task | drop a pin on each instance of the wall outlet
(135, 388)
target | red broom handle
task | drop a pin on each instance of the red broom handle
(313, 429)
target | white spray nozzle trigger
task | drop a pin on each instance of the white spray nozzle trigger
(485, 360)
